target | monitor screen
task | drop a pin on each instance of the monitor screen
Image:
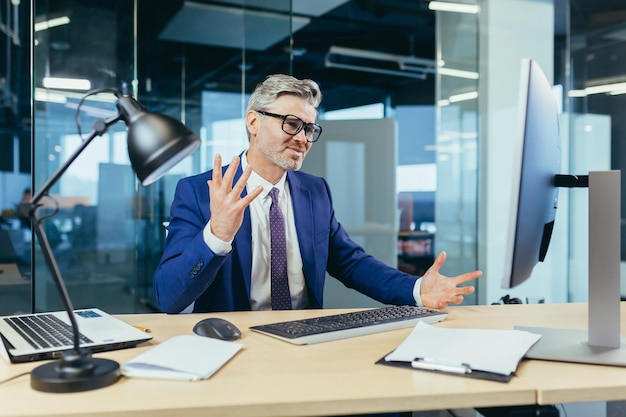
(536, 180)
(537, 161)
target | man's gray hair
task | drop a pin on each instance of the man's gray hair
(274, 86)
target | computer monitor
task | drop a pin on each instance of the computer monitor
(537, 162)
(537, 179)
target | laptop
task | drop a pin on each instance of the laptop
(32, 337)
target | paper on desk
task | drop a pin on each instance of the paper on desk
(187, 357)
(497, 351)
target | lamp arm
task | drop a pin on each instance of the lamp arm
(100, 127)
(56, 276)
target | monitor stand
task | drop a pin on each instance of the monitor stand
(602, 343)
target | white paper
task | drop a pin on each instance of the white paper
(497, 351)
(186, 357)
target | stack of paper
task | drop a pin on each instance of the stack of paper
(464, 351)
(187, 357)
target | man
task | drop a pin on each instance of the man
(218, 253)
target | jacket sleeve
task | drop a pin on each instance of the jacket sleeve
(187, 267)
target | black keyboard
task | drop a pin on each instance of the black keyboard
(344, 325)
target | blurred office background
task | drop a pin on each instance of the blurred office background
(419, 103)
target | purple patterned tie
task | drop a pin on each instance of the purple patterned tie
(281, 298)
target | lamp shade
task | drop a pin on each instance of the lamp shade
(156, 142)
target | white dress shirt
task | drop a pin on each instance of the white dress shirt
(260, 290)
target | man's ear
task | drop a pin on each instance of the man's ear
(252, 122)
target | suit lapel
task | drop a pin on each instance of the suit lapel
(243, 240)
(305, 221)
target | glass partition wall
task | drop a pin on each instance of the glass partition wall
(456, 201)
(106, 231)
(595, 103)
(97, 223)
(197, 61)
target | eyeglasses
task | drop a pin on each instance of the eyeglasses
(292, 125)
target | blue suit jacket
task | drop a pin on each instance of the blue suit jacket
(189, 271)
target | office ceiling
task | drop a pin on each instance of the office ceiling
(356, 49)
(207, 34)
(351, 47)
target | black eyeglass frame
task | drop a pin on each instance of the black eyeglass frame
(303, 125)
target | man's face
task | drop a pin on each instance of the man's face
(285, 150)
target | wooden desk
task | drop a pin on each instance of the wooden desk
(559, 382)
(273, 378)
(555, 382)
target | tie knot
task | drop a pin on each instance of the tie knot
(274, 195)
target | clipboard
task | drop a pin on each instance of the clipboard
(474, 353)
(473, 373)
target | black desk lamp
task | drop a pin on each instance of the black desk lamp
(155, 144)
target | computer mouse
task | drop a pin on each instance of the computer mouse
(217, 328)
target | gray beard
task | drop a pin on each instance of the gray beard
(286, 164)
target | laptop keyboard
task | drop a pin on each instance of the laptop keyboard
(44, 330)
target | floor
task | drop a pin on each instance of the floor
(616, 409)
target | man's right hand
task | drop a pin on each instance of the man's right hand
(227, 205)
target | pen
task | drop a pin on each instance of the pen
(143, 329)
(430, 364)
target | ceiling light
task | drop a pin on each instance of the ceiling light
(463, 96)
(67, 83)
(605, 88)
(613, 89)
(379, 62)
(43, 95)
(471, 75)
(444, 6)
(577, 93)
(295, 51)
(47, 24)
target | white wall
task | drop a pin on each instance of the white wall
(358, 158)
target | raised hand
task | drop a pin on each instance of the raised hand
(227, 205)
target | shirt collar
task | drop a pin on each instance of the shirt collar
(255, 180)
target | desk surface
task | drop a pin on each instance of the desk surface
(273, 378)
(560, 382)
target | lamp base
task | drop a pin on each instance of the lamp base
(75, 372)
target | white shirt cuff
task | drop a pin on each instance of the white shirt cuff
(416, 293)
(218, 246)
